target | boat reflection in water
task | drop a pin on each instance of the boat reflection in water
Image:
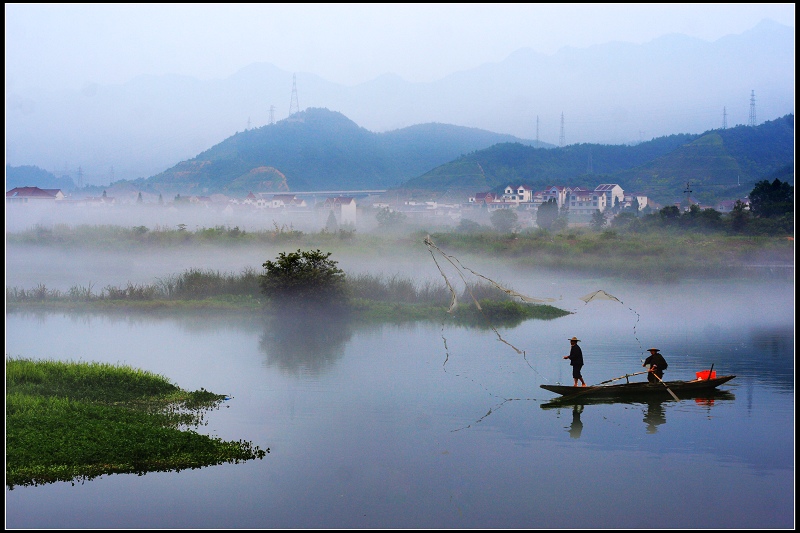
(654, 413)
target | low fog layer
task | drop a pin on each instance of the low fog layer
(153, 216)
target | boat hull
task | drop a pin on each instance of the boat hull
(627, 390)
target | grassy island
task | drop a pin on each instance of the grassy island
(71, 421)
(365, 298)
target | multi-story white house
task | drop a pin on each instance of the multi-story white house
(583, 201)
(344, 207)
(556, 192)
(519, 194)
(640, 198)
(609, 194)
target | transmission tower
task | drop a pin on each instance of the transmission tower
(752, 108)
(537, 131)
(561, 141)
(294, 107)
(724, 119)
(272, 114)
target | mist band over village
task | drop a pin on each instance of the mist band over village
(540, 293)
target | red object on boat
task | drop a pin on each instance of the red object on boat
(703, 374)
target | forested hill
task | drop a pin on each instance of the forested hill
(318, 149)
(718, 164)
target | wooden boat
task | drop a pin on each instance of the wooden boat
(643, 389)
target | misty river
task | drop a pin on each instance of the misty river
(433, 425)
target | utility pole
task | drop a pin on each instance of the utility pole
(294, 106)
(752, 108)
(561, 140)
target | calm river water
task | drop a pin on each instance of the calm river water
(430, 425)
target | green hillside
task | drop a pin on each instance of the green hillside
(719, 164)
(318, 149)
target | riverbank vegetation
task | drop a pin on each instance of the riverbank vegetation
(368, 297)
(72, 421)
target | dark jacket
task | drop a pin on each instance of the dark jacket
(658, 360)
(576, 356)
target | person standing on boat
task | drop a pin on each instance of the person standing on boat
(657, 365)
(575, 360)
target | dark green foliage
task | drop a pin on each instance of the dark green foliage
(331, 226)
(389, 218)
(671, 212)
(547, 214)
(598, 220)
(507, 313)
(774, 199)
(466, 225)
(303, 278)
(504, 220)
(68, 421)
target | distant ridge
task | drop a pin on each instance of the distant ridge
(319, 149)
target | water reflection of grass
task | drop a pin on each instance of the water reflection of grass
(68, 421)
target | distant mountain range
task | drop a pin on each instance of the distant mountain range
(322, 150)
(716, 165)
(616, 93)
(319, 149)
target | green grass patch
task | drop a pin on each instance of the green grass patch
(74, 421)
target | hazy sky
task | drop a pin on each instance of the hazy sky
(71, 45)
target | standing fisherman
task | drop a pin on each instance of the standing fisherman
(575, 360)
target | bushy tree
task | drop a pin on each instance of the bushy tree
(598, 220)
(547, 214)
(739, 216)
(561, 222)
(466, 225)
(634, 208)
(771, 199)
(387, 217)
(303, 279)
(504, 220)
(670, 213)
(331, 226)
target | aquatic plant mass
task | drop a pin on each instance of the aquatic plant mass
(74, 421)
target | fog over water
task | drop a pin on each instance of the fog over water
(427, 424)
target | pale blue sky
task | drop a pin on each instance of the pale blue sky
(70, 45)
